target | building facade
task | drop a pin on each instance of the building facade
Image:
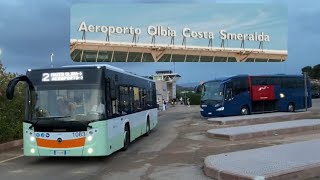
(166, 85)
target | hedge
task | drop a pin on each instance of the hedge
(11, 111)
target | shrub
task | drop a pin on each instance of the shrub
(11, 111)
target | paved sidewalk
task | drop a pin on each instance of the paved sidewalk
(260, 118)
(268, 129)
(290, 161)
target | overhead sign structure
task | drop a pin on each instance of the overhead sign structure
(250, 33)
(169, 32)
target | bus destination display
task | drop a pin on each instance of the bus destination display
(62, 76)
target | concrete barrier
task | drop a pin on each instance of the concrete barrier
(289, 161)
(260, 118)
(268, 129)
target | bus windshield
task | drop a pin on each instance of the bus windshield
(70, 104)
(212, 91)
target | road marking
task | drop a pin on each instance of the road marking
(11, 159)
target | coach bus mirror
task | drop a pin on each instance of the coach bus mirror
(229, 94)
(199, 89)
(12, 84)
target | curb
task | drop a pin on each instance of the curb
(234, 165)
(282, 130)
(247, 120)
(10, 145)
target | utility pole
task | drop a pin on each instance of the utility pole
(305, 90)
(51, 59)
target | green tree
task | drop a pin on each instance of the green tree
(308, 70)
(313, 72)
(194, 98)
(11, 111)
(316, 71)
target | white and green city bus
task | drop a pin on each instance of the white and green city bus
(90, 110)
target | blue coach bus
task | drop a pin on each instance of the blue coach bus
(244, 94)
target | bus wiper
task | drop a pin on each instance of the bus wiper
(33, 124)
(50, 117)
(87, 125)
(84, 123)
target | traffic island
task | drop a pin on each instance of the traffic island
(262, 130)
(260, 118)
(289, 161)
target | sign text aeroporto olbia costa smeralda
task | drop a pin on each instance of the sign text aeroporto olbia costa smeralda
(169, 32)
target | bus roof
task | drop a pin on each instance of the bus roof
(92, 66)
(246, 75)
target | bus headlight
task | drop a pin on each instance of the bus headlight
(32, 139)
(89, 138)
(220, 109)
(90, 151)
(282, 95)
(32, 150)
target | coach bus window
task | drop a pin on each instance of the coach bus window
(299, 82)
(259, 81)
(240, 86)
(273, 81)
(212, 91)
(288, 83)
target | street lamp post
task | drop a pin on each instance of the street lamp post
(305, 90)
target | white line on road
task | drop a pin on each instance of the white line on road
(11, 159)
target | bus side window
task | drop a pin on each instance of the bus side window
(240, 85)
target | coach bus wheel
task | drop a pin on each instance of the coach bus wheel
(126, 141)
(148, 128)
(291, 107)
(245, 110)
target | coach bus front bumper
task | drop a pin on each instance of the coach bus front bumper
(211, 111)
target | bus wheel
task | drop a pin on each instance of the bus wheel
(291, 107)
(245, 110)
(148, 128)
(126, 140)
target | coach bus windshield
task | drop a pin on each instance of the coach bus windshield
(212, 91)
(72, 104)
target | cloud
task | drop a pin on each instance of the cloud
(307, 21)
(30, 30)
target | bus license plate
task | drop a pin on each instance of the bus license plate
(59, 153)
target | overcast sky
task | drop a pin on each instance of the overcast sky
(31, 30)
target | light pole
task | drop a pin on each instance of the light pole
(305, 90)
(51, 59)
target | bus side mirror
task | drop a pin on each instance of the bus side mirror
(229, 94)
(12, 84)
(198, 89)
